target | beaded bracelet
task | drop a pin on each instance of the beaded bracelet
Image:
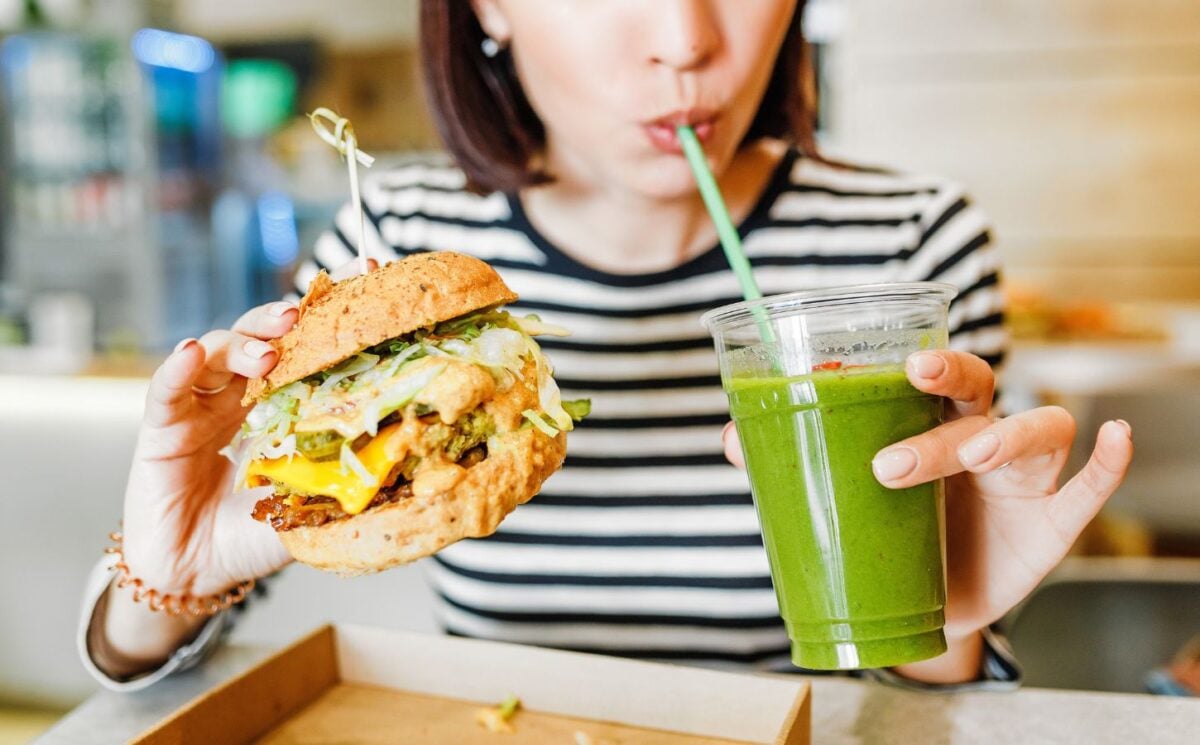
(173, 605)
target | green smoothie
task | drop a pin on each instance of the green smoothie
(857, 567)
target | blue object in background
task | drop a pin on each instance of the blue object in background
(1161, 683)
(184, 78)
(167, 50)
(277, 229)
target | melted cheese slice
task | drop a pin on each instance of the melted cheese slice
(327, 477)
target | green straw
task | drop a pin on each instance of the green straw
(731, 242)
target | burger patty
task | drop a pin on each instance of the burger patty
(288, 511)
(285, 512)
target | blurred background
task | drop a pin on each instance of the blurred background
(157, 177)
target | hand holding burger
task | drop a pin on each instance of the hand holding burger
(467, 425)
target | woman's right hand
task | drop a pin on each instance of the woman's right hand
(187, 526)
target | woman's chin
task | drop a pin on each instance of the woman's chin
(664, 179)
(654, 175)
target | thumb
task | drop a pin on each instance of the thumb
(733, 446)
(1083, 496)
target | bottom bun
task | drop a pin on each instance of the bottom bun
(399, 532)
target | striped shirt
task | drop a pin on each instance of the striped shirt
(646, 543)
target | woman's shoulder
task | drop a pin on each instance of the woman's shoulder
(909, 212)
(834, 178)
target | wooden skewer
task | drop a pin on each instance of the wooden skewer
(342, 139)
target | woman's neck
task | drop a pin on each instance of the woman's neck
(624, 233)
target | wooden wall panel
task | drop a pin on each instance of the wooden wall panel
(939, 26)
(1076, 124)
(1085, 159)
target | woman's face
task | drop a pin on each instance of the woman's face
(611, 78)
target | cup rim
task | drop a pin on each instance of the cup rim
(823, 299)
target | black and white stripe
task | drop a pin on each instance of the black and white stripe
(646, 543)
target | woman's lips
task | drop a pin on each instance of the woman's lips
(663, 137)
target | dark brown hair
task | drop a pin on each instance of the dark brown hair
(486, 121)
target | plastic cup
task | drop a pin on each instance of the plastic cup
(817, 387)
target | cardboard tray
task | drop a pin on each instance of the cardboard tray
(352, 684)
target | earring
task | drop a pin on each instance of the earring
(491, 47)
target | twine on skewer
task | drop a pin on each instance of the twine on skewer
(341, 138)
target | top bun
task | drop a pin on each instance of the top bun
(338, 320)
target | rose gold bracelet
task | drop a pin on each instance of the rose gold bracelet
(173, 605)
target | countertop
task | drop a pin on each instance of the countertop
(845, 712)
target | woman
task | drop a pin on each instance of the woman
(561, 115)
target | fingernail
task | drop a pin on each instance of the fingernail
(927, 365)
(1128, 429)
(184, 344)
(894, 463)
(257, 349)
(278, 309)
(979, 449)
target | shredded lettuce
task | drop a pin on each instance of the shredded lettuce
(396, 396)
(391, 347)
(500, 350)
(534, 326)
(536, 419)
(504, 348)
(376, 382)
(549, 397)
(359, 363)
(285, 449)
(268, 424)
(387, 368)
(350, 461)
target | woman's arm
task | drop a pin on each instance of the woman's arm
(125, 638)
(126, 669)
(187, 529)
(962, 661)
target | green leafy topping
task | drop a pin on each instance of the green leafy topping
(578, 409)
(409, 467)
(472, 325)
(393, 347)
(378, 382)
(508, 707)
(473, 429)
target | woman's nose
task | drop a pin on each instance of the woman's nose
(684, 33)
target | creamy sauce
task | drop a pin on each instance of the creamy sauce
(457, 389)
(435, 476)
(505, 408)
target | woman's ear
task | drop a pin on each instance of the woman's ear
(493, 20)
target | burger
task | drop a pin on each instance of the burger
(407, 411)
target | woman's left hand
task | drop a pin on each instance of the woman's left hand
(1008, 521)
